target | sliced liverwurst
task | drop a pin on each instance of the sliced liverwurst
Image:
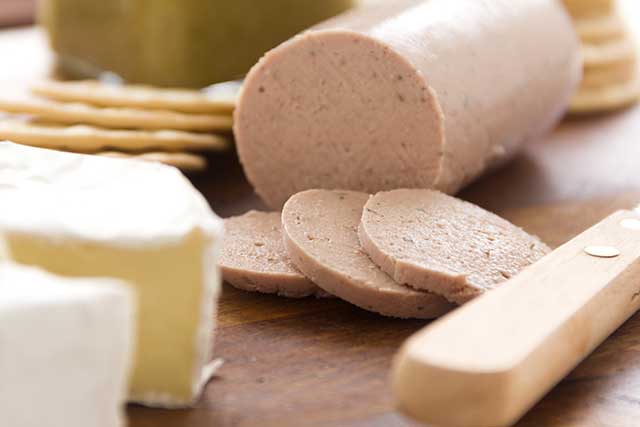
(405, 94)
(435, 242)
(320, 232)
(254, 257)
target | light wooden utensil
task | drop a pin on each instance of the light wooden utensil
(487, 363)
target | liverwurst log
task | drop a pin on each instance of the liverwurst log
(254, 257)
(320, 233)
(435, 242)
(405, 94)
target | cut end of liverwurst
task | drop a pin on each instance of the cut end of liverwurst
(337, 109)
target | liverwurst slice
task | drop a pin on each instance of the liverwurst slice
(254, 257)
(435, 242)
(320, 233)
(405, 94)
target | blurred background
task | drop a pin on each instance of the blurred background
(16, 12)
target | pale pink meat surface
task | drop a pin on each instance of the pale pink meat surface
(405, 94)
(320, 232)
(435, 242)
(254, 257)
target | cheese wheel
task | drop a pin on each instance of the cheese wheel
(405, 94)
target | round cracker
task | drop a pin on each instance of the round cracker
(434, 242)
(254, 257)
(589, 8)
(90, 139)
(605, 99)
(186, 162)
(601, 28)
(614, 52)
(119, 118)
(133, 96)
(614, 74)
(320, 233)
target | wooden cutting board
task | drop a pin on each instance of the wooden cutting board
(325, 363)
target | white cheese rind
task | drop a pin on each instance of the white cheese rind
(92, 197)
(66, 349)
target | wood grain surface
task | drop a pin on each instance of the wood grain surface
(325, 363)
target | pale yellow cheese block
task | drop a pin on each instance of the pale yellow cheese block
(88, 216)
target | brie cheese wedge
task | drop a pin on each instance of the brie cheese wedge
(144, 223)
(65, 349)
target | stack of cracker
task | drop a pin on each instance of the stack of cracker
(171, 126)
(611, 79)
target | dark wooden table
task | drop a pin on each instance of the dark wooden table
(325, 363)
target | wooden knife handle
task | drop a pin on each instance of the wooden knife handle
(490, 361)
